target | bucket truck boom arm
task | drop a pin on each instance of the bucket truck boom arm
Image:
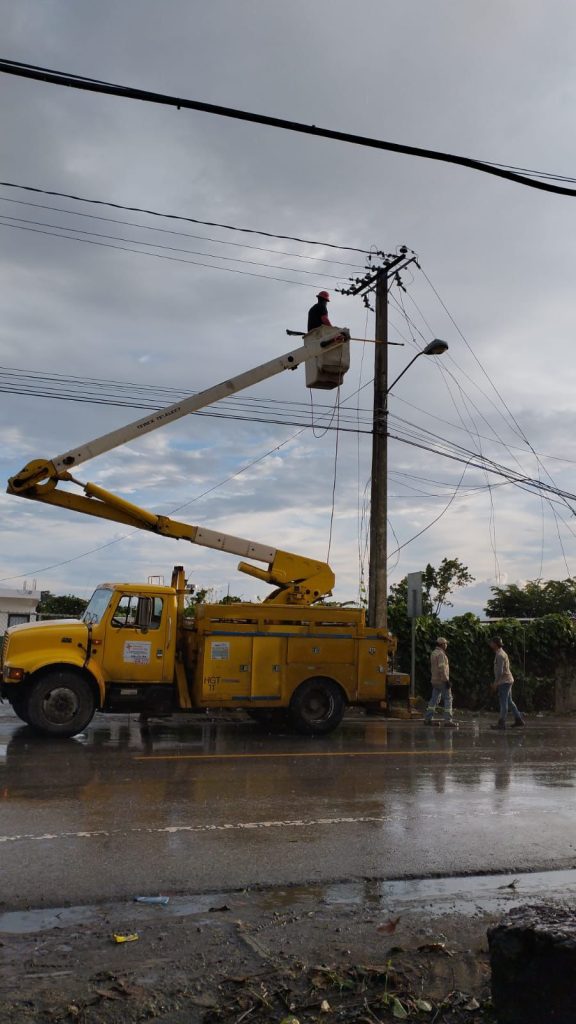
(298, 579)
(41, 472)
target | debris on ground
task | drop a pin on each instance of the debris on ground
(273, 957)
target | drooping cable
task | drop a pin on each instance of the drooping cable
(73, 81)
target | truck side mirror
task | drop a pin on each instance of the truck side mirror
(144, 613)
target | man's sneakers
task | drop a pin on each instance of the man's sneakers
(518, 723)
(450, 724)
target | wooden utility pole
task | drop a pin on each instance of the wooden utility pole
(377, 579)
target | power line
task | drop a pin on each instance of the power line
(178, 508)
(157, 255)
(434, 521)
(159, 245)
(410, 433)
(72, 81)
(182, 234)
(182, 217)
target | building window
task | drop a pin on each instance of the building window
(17, 620)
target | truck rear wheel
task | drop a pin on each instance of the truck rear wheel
(60, 704)
(317, 706)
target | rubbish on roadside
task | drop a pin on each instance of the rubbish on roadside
(392, 1002)
(132, 937)
(424, 1006)
(160, 900)
(203, 999)
(511, 885)
(218, 910)
(109, 993)
(435, 947)
(325, 1006)
(389, 927)
(290, 1020)
(472, 1005)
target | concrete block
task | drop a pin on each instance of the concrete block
(533, 961)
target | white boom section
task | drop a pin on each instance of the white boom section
(234, 545)
(289, 361)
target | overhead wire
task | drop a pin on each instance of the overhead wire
(182, 234)
(501, 400)
(160, 256)
(433, 521)
(181, 217)
(473, 435)
(335, 475)
(75, 81)
(159, 245)
(177, 508)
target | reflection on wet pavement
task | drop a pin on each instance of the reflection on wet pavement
(211, 805)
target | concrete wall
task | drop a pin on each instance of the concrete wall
(17, 602)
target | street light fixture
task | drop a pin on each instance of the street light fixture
(437, 347)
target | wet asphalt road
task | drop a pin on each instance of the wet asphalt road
(188, 805)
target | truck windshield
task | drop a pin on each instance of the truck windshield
(96, 607)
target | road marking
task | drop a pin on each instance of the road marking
(302, 753)
(174, 829)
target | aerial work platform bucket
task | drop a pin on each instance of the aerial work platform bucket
(327, 370)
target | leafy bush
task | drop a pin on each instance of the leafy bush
(540, 652)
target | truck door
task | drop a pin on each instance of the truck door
(136, 639)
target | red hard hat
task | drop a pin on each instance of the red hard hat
(324, 295)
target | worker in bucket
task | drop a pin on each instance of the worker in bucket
(441, 688)
(318, 313)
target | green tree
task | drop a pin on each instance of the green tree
(437, 586)
(66, 605)
(533, 599)
(205, 595)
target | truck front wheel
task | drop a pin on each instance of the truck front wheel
(20, 707)
(60, 704)
(317, 706)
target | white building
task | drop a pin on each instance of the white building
(17, 606)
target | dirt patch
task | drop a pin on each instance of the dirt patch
(257, 957)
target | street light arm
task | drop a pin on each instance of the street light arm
(437, 347)
(405, 370)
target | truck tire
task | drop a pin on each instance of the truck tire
(61, 703)
(317, 706)
(269, 718)
(20, 707)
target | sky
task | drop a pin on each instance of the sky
(494, 81)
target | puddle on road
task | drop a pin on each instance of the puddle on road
(467, 895)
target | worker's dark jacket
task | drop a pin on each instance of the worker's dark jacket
(318, 315)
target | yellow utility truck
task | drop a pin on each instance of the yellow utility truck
(286, 659)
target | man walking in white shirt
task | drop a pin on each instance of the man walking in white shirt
(441, 689)
(502, 685)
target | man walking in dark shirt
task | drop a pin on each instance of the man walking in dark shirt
(318, 313)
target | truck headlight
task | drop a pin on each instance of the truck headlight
(13, 675)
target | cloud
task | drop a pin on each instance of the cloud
(501, 257)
